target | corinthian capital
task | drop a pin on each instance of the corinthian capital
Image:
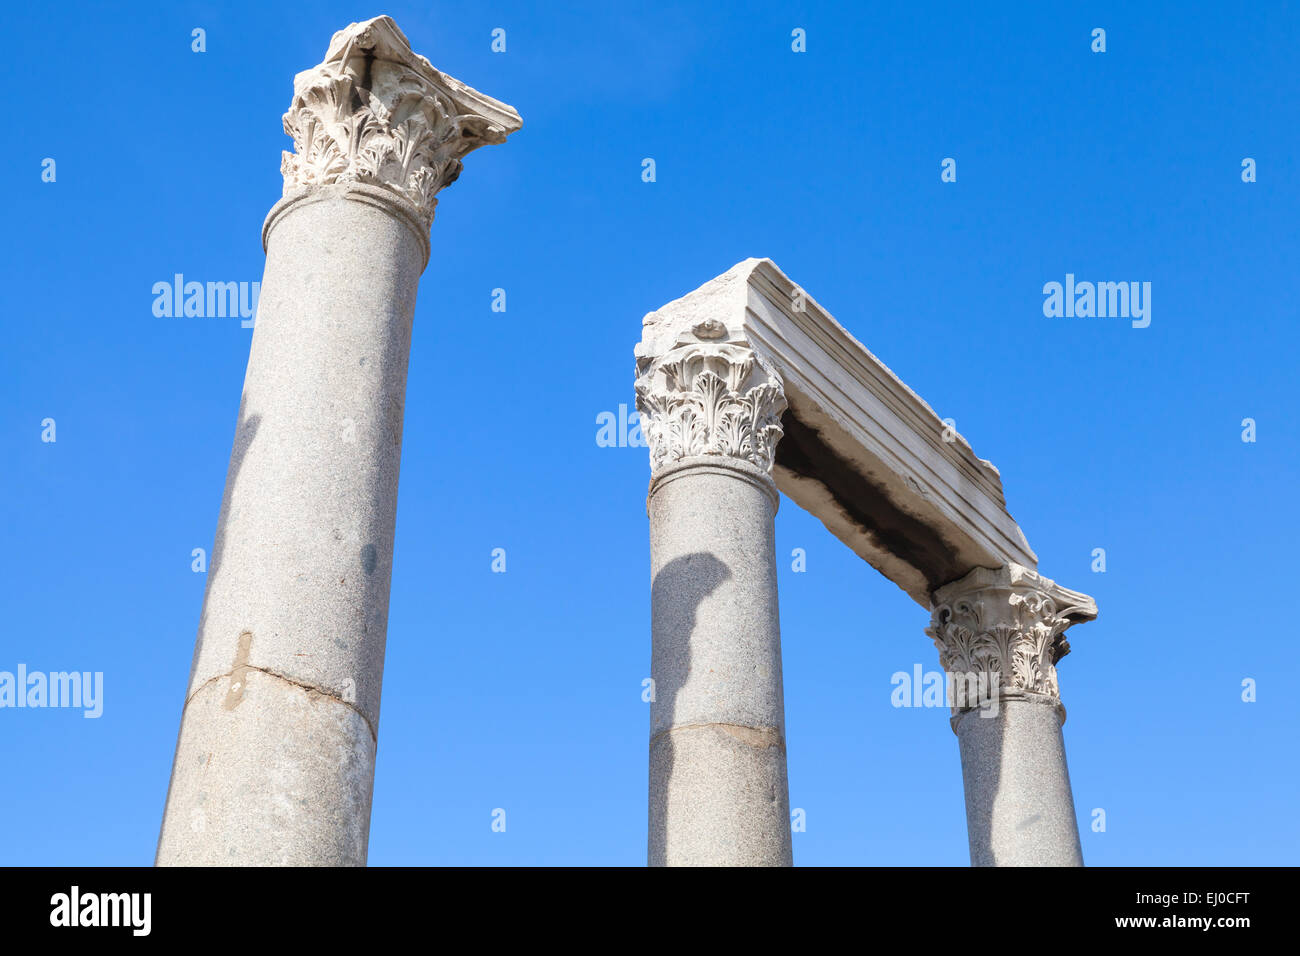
(709, 397)
(1006, 626)
(375, 112)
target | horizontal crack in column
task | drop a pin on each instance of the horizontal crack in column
(311, 690)
(753, 736)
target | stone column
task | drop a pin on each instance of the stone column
(276, 752)
(711, 412)
(1000, 633)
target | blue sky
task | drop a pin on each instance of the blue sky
(523, 690)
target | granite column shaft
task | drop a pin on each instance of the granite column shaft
(718, 789)
(275, 759)
(1000, 633)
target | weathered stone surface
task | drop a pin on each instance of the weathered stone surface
(748, 375)
(1019, 806)
(861, 451)
(1007, 623)
(1007, 627)
(718, 790)
(275, 758)
(705, 398)
(273, 774)
(374, 112)
(299, 579)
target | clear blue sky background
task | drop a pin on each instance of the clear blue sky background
(522, 690)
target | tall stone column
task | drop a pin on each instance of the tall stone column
(711, 412)
(276, 752)
(1000, 633)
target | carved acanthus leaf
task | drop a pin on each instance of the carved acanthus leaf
(1006, 627)
(710, 399)
(374, 112)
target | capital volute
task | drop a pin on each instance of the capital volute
(706, 392)
(374, 112)
(1006, 628)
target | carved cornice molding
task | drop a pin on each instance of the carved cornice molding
(1006, 626)
(707, 397)
(374, 112)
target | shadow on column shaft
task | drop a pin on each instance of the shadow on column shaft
(675, 597)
